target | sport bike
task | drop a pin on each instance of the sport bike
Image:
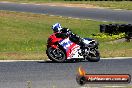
(63, 49)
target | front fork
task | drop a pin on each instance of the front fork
(87, 52)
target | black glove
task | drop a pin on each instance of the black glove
(74, 38)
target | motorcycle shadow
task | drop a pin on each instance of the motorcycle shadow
(69, 61)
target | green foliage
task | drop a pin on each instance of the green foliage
(106, 36)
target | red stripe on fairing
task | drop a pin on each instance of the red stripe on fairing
(69, 50)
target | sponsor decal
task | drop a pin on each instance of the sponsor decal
(66, 43)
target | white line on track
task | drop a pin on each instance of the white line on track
(118, 9)
(49, 60)
(88, 87)
(117, 58)
(5, 2)
(115, 86)
(22, 60)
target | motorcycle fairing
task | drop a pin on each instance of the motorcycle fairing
(74, 52)
(87, 40)
(53, 39)
(66, 43)
(71, 48)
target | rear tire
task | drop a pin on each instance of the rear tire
(56, 55)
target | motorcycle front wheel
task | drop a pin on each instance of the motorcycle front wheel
(94, 57)
(56, 55)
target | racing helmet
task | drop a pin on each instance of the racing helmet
(56, 27)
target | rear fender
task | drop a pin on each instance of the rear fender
(54, 46)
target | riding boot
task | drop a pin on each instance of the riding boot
(82, 47)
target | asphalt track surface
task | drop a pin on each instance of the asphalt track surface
(62, 75)
(59, 75)
(85, 13)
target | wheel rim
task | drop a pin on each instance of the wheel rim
(56, 54)
(93, 53)
(94, 57)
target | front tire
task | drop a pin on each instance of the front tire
(94, 57)
(56, 55)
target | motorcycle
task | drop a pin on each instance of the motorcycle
(63, 49)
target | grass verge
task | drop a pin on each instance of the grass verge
(24, 35)
(108, 4)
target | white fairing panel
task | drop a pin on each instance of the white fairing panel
(75, 52)
(66, 43)
(86, 41)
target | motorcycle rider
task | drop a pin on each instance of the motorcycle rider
(65, 32)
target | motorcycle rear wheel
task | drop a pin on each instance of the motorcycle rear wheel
(56, 55)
